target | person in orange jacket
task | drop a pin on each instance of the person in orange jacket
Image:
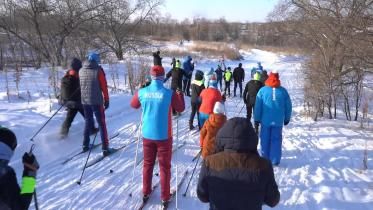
(208, 98)
(210, 129)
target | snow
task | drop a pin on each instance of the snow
(321, 167)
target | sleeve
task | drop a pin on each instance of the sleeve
(202, 187)
(243, 75)
(103, 84)
(258, 107)
(135, 102)
(202, 136)
(177, 101)
(245, 93)
(20, 198)
(288, 106)
(168, 75)
(272, 195)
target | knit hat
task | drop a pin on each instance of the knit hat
(219, 108)
(157, 73)
(8, 137)
(76, 64)
(93, 56)
(199, 75)
(273, 79)
(213, 81)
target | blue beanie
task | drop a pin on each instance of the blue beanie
(93, 56)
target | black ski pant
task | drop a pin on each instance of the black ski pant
(249, 111)
(71, 113)
(220, 82)
(195, 108)
(186, 87)
(235, 87)
(227, 87)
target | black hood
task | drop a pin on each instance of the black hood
(238, 135)
(76, 64)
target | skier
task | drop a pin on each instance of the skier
(71, 97)
(197, 87)
(188, 67)
(219, 75)
(173, 62)
(210, 129)
(177, 74)
(249, 96)
(208, 75)
(11, 195)
(157, 60)
(260, 67)
(156, 102)
(95, 99)
(238, 77)
(208, 98)
(272, 110)
(227, 80)
(237, 177)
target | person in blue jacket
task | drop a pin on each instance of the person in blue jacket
(272, 110)
(188, 67)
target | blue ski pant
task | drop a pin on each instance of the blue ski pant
(271, 143)
(99, 112)
(202, 118)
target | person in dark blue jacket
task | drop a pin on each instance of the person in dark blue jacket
(219, 76)
(272, 110)
(188, 67)
(236, 177)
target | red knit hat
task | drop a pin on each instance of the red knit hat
(157, 72)
(273, 79)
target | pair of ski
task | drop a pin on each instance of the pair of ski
(82, 152)
(173, 192)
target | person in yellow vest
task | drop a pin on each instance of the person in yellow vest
(228, 78)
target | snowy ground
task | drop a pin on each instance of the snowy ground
(321, 168)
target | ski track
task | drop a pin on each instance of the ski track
(321, 166)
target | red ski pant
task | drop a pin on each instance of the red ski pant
(162, 150)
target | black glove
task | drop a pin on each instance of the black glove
(286, 122)
(30, 164)
(106, 104)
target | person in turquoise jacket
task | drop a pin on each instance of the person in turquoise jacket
(157, 103)
(272, 110)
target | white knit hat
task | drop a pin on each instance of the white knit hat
(219, 108)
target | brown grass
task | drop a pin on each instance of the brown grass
(216, 49)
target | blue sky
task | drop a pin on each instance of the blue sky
(232, 10)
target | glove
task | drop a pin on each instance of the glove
(106, 104)
(30, 165)
(286, 122)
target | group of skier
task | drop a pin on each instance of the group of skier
(233, 174)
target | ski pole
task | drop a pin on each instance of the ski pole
(37, 132)
(137, 149)
(241, 109)
(194, 169)
(177, 143)
(36, 201)
(86, 162)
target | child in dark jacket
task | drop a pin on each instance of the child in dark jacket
(237, 177)
(197, 87)
(12, 196)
